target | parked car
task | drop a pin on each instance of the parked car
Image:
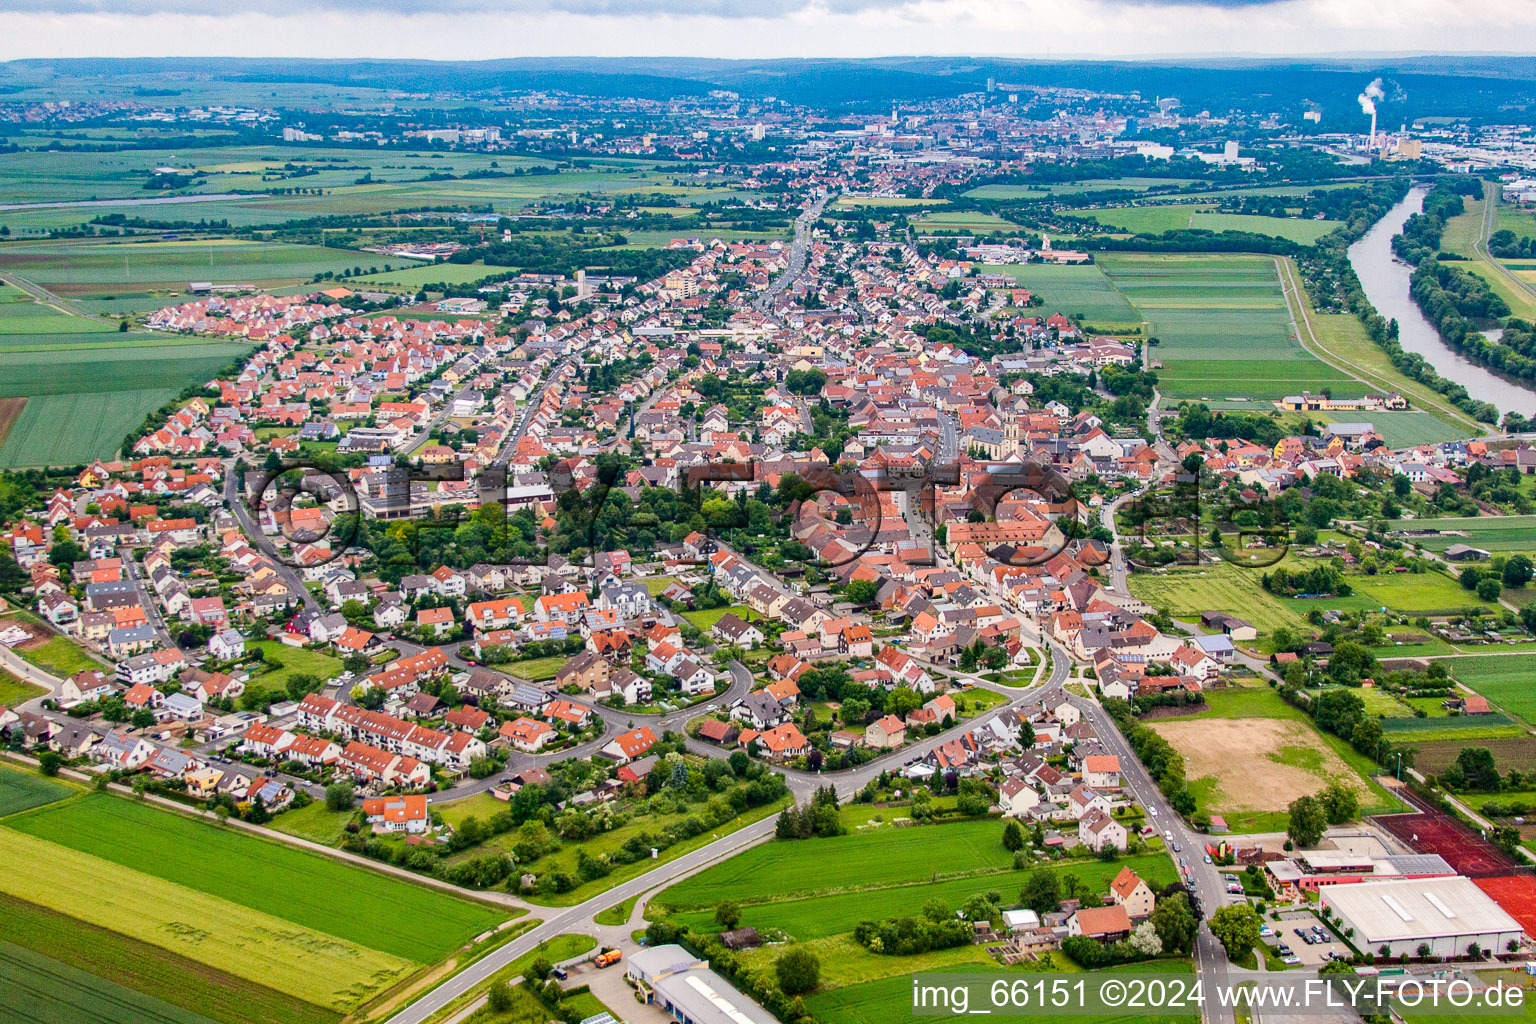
(1291, 960)
(560, 972)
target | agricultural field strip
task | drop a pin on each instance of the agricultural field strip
(316, 892)
(313, 965)
(53, 992)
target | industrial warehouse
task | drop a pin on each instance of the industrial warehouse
(686, 988)
(1448, 915)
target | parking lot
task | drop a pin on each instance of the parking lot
(1289, 929)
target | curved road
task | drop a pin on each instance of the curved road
(579, 918)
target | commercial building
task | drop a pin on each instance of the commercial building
(1446, 914)
(686, 988)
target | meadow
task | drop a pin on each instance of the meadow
(1185, 593)
(308, 890)
(830, 914)
(292, 661)
(414, 277)
(1223, 327)
(128, 981)
(879, 857)
(1505, 679)
(14, 691)
(1401, 428)
(1491, 533)
(888, 999)
(23, 316)
(1072, 290)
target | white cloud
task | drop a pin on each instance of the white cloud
(848, 28)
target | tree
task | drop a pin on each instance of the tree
(727, 914)
(1488, 588)
(798, 972)
(1518, 571)
(862, 591)
(499, 999)
(49, 762)
(143, 718)
(1478, 769)
(1013, 837)
(339, 796)
(1308, 821)
(1145, 940)
(1340, 802)
(1236, 926)
(1175, 923)
(1041, 892)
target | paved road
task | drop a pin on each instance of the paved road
(47, 297)
(799, 251)
(579, 918)
(150, 602)
(235, 502)
(509, 443)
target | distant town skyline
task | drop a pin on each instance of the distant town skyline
(480, 29)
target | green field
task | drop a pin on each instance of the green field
(100, 267)
(1223, 327)
(1148, 220)
(14, 691)
(21, 315)
(128, 981)
(1413, 593)
(309, 890)
(59, 655)
(293, 661)
(22, 790)
(890, 999)
(882, 857)
(1507, 680)
(824, 915)
(1072, 290)
(1185, 593)
(1401, 428)
(81, 401)
(1491, 533)
(413, 277)
(962, 220)
(706, 618)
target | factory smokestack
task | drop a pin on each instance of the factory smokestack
(1368, 98)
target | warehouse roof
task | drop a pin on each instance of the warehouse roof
(1420, 908)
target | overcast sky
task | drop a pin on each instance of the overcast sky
(477, 29)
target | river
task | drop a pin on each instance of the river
(1385, 280)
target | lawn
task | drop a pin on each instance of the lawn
(890, 999)
(15, 691)
(137, 981)
(353, 904)
(1505, 679)
(315, 823)
(829, 914)
(537, 669)
(22, 790)
(556, 950)
(310, 964)
(706, 619)
(879, 857)
(1412, 593)
(293, 661)
(1073, 291)
(1200, 305)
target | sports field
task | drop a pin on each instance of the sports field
(1428, 830)
(1223, 327)
(1072, 291)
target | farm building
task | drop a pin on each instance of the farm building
(687, 989)
(1447, 914)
